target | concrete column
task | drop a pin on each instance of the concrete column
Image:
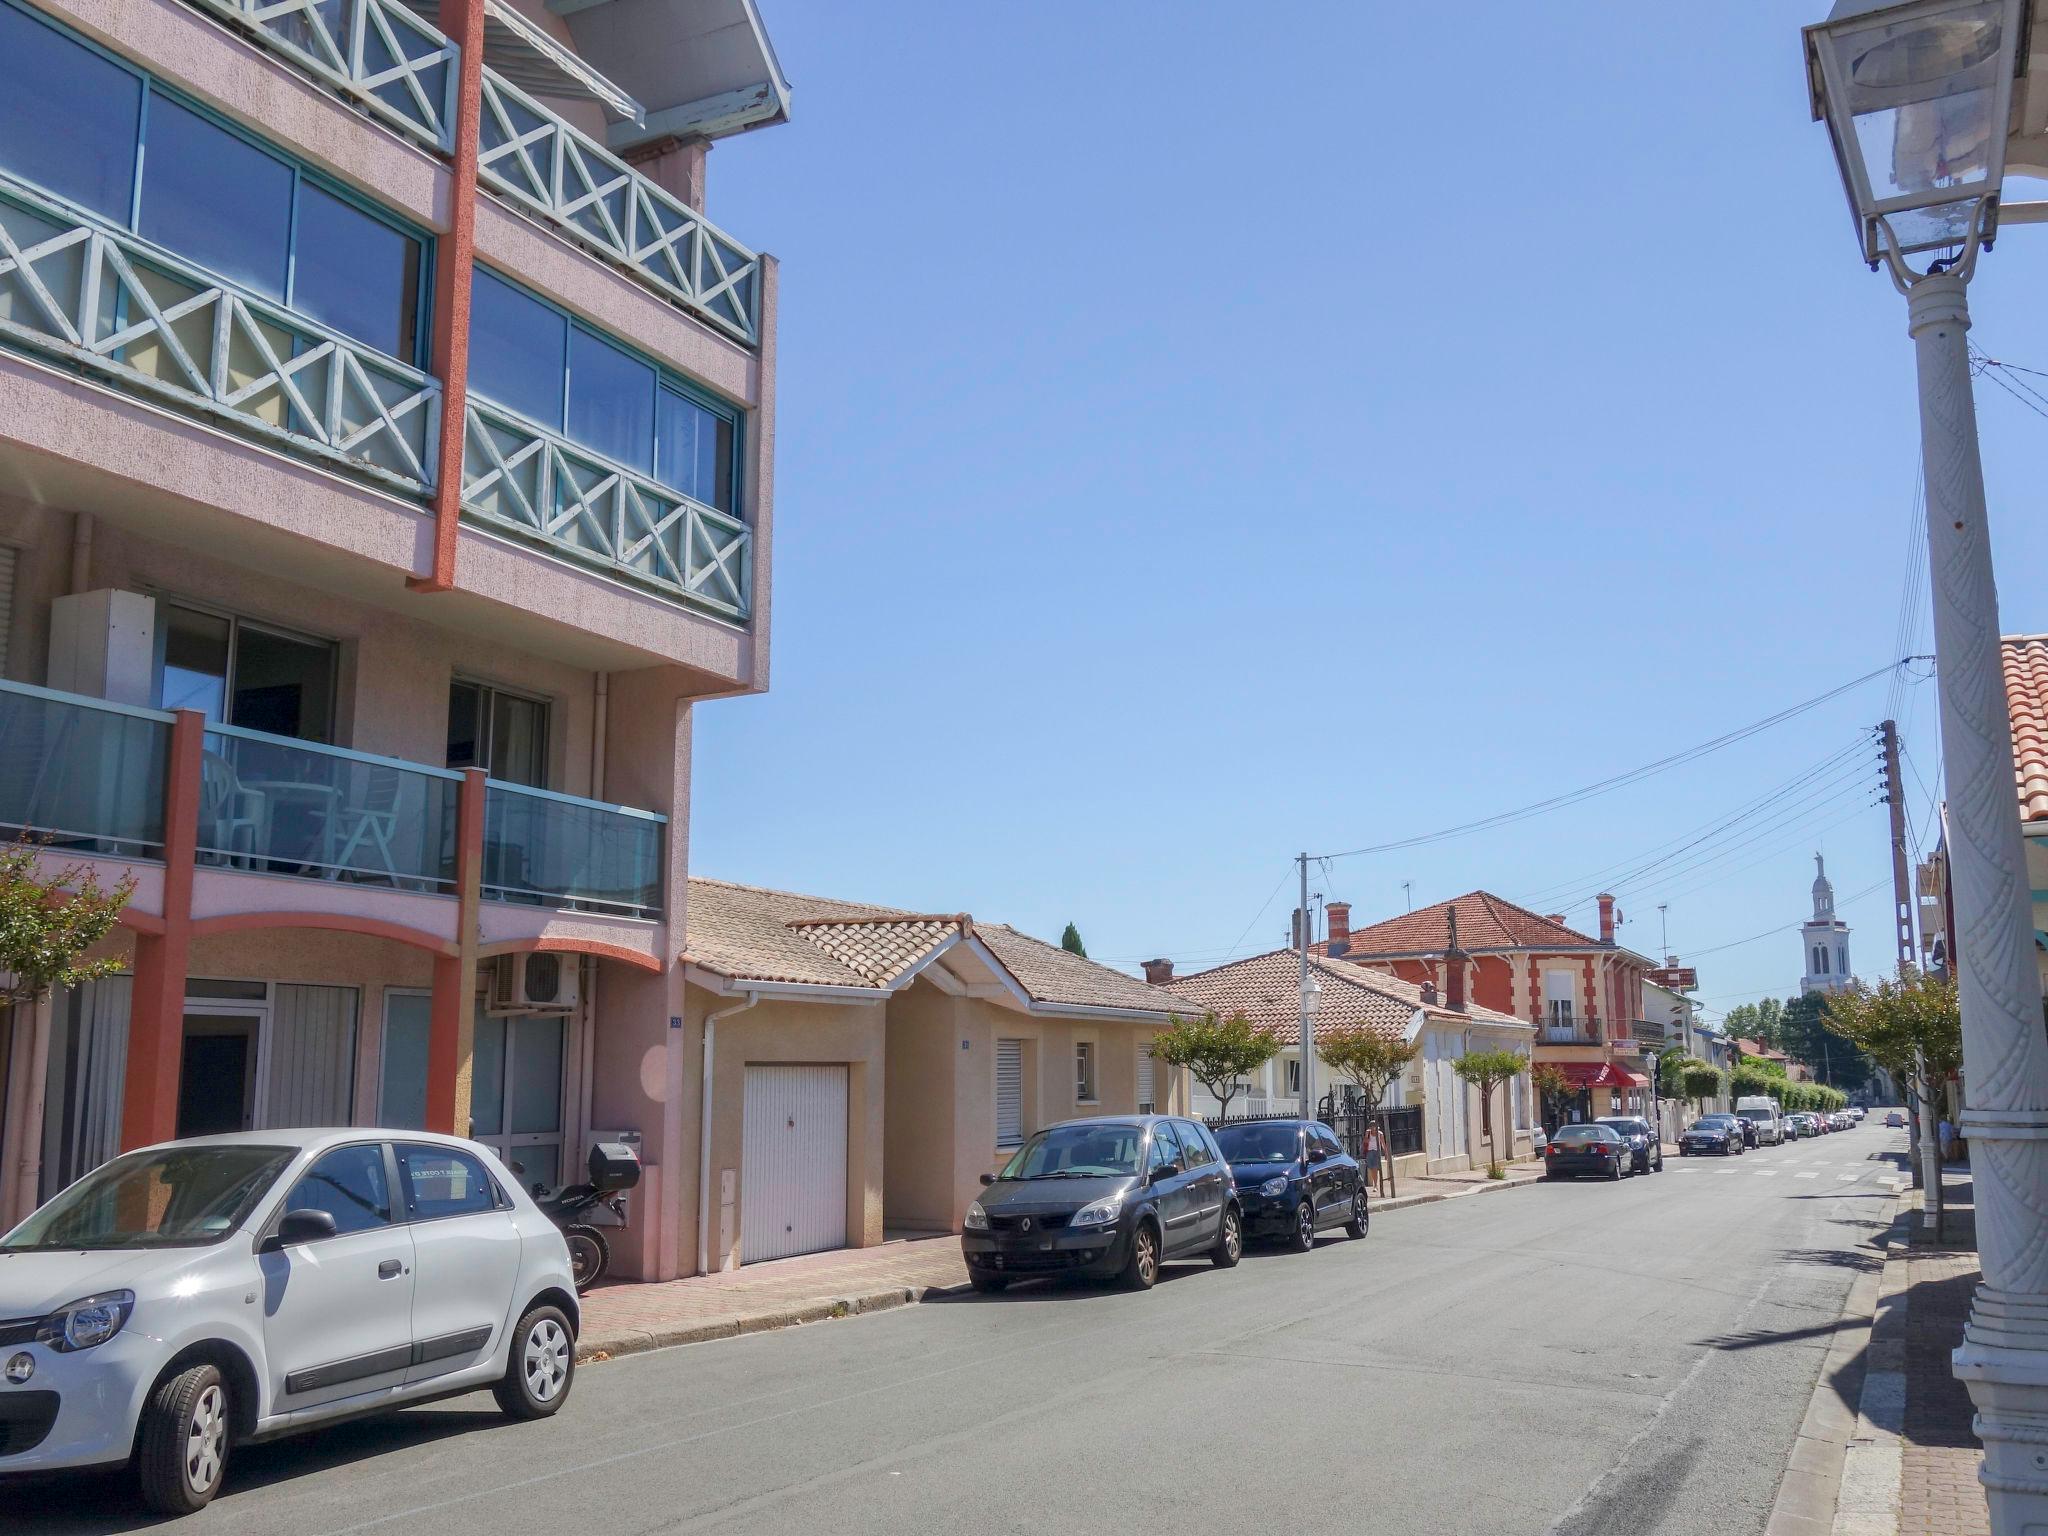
(451, 1025)
(156, 1018)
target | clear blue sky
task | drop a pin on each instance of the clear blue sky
(1211, 431)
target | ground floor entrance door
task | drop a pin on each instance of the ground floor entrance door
(793, 1161)
(515, 1105)
(217, 1073)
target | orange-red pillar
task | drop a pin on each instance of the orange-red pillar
(451, 1027)
(454, 254)
(156, 1016)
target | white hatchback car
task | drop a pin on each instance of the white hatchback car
(187, 1297)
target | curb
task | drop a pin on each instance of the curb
(595, 1348)
(1834, 1478)
(1488, 1187)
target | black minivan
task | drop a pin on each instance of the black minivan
(1111, 1198)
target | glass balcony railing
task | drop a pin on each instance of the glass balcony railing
(544, 849)
(537, 484)
(273, 805)
(84, 774)
(114, 304)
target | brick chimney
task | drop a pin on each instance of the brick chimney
(1429, 993)
(1339, 914)
(1158, 973)
(1455, 961)
(1606, 918)
(1554, 917)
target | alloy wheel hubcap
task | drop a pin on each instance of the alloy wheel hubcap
(1232, 1237)
(1147, 1263)
(206, 1440)
(547, 1360)
(1306, 1221)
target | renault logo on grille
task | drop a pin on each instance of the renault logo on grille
(1025, 1224)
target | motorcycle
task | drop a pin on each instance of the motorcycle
(613, 1167)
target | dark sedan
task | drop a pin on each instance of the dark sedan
(1718, 1135)
(1577, 1149)
(1110, 1198)
(1645, 1146)
(1294, 1179)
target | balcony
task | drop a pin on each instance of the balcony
(382, 57)
(529, 481)
(1571, 1032)
(112, 304)
(91, 777)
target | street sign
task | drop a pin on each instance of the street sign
(1677, 978)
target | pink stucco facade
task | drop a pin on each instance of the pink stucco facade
(107, 487)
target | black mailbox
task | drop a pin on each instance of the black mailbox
(613, 1166)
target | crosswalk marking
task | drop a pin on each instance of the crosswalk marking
(1767, 1173)
(1805, 1175)
(1845, 1178)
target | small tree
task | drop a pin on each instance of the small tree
(1555, 1088)
(1371, 1061)
(1070, 941)
(1486, 1071)
(1913, 1028)
(1700, 1082)
(1750, 1079)
(47, 921)
(1216, 1052)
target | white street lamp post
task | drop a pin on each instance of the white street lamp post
(1918, 101)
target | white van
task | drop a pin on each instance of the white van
(1765, 1115)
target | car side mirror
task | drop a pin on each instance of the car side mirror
(987, 1179)
(1318, 1155)
(1166, 1171)
(300, 1226)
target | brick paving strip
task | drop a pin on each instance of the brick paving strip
(630, 1317)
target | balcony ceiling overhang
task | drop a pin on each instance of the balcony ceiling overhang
(522, 51)
(2026, 149)
(704, 68)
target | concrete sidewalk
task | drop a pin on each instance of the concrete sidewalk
(627, 1317)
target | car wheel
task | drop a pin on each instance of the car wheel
(589, 1256)
(1614, 1172)
(1303, 1237)
(541, 1367)
(1230, 1241)
(183, 1449)
(1361, 1216)
(1141, 1269)
(989, 1285)
(1660, 1162)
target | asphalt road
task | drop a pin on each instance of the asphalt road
(1576, 1358)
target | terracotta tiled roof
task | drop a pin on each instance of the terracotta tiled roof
(1485, 922)
(2026, 699)
(1267, 990)
(1759, 1050)
(747, 933)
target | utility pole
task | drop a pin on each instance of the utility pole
(1928, 1164)
(1407, 893)
(1307, 1036)
(1663, 928)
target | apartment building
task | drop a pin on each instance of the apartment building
(386, 470)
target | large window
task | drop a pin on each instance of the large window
(100, 134)
(238, 673)
(529, 357)
(505, 734)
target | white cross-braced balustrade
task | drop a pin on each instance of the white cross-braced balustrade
(540, 161)
(106, 301)
(376, 52)
(538, 484)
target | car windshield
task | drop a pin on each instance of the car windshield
(1585, 1133)
(1078, 1152)
(1716, 1122)
(1273, 1142)
(172, 1197)
(1754, 1114)
(1627, 1127)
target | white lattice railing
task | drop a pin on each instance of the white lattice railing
(536, 483)
(540, 161)
(375, 52)
(104, 300)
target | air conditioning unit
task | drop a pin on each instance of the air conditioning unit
(532, 983)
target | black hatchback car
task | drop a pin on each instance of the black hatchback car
(1645, 1147)
(1109, 1198)
(1577, 1149)
(1294, 1179)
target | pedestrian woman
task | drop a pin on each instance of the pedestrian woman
(1373, 1159)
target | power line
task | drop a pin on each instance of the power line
(1781, 928)
(1621, 780)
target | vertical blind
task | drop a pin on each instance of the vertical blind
(1009, 1093)
(312, 1070)
(1146, 1102)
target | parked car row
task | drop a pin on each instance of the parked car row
(393, 1267)
(1116, 1197)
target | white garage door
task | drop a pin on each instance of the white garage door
(793, 1162)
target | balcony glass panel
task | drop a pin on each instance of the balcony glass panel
(611, 401)
(281, 807)
(215, 198)
(543, 849)
(356, 272)
(86, 774)
(693, 450)
(516, 349)
(88, 157)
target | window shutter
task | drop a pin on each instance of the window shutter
(1146, 1102)
(6, 601)
(1009, 1093)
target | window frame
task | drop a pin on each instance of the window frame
(131, 222)
(1087, 1087)
(235, 621)
(665, 377)
(487, 716)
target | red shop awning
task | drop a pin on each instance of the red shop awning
(1600, 1074)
